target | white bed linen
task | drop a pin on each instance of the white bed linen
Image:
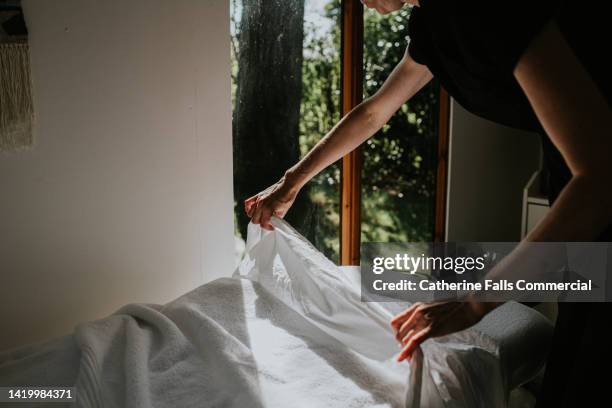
(227, 343)
(281, 337)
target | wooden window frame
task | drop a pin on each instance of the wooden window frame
(442, 166)
(351, 49)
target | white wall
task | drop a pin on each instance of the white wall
(126, 196)
(489, 166)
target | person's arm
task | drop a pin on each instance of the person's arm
(578, 120)
(358, 125)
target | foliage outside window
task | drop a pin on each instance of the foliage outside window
(399, 170)
(286, 96)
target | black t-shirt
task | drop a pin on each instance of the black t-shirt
(472, 47)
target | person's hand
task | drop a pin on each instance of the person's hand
(384, 6)
(274, 200)
(422, 321)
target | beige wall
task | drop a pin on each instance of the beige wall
(126, 196)
(489, 166)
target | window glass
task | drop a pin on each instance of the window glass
(285, 95)
(399, 170)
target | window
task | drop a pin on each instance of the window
(297, 67)
(286, 92)
(399, 163)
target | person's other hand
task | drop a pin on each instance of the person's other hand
(422, 321)
(384, 6)
(274, 200)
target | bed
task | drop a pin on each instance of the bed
(287, 329)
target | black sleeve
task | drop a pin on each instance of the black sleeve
(484, 33)
(417, 32)
(498, 32)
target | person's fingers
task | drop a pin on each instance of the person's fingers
(402, 315)
(266, 213)
(415, 340)
(256, 213)
(404, 323)
(280, 212)
(411, 323)
(400, 318)
(267, 203)
(248, 208)
(407, 336)
(396, 324)
(248, 205)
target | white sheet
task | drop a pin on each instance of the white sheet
(292, 334)
(459, 370)
(227, 343)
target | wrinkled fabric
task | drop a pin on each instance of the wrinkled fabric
(460, 370)
(288, 330)
(287, 265)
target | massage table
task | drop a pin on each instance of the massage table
(239, 342)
